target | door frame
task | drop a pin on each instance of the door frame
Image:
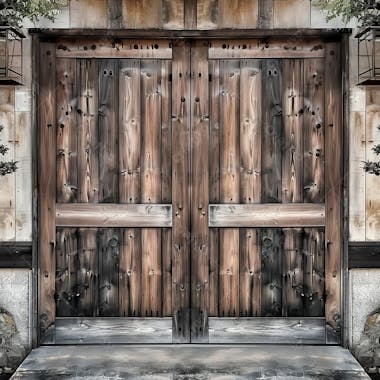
(340, 36)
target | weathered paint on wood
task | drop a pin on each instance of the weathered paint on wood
(47, 185)
(273, 48)
(200, 193)
(267, 215)
(267, 330)
(113, 215)
(180, 192)
(334, 184)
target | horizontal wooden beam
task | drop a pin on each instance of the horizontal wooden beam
(112, 48)
(364, 255)
(16, 255)
(113, 215)
(267, 330)
(109, 331)
(267, 215)
(201, 34)
(267, 48)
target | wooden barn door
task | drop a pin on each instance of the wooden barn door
(266, 217)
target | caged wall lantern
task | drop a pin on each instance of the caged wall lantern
(369, 56)
(10, 56)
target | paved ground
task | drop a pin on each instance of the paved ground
(180, 362)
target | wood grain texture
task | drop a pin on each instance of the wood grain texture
(292, 149)
(181, 194)
(267, 215)
(314, 131)
(47, 185)
(272, 48)
(265, 14)
(272, 132)
(333, 177)
(200, 193)
(372, 181)
(67, 172)
(111, 48)
(267, 330)
(229, 185)
(173, 14)
(88, 134)
(190, 10)
(108, 131)
(114, 215)
(142, 14)
(214, 95)
(112, 330)
(88, 13)
(114, 13)
(207, 14)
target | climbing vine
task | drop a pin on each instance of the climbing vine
(6, 167)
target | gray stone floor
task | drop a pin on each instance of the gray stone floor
(180, 362)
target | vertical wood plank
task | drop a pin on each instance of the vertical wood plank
(7, 183)
(190, 14)
(173, 14)
(239, 14)
(151, 185)
(314, 272)
(272, 131)
(271, 283)
(67, 173)
(292, 149)
(108, 131)
(108, 242)
(142, 14)
(293, 277)
(88, 273)
(88, 14)
(250, 184)
(166, 183)
(129, 184)
(372, 212)
(214, 95)
(265, 14)
(333, 178)
(229, 186)
(181, 192)
(47, 185)
(200, 193)
(87, 110)
(66, 272)
(314, 130)
(207, 14)
(114, 14)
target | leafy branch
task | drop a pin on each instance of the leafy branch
(6, 167)
(373, 167)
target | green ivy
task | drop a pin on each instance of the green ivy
(6, 167)
(13, 12)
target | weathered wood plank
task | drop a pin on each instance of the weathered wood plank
(46, 185)
(293, 275)
(241, 14)
(314, 130)
(200, 193)
(142, 14)
(67, 173)
(7, 183)
(272, 132)
(363, 255)
(292, 149)
(372, 182)
(190, 14)
(271, 276)
(173, 14)
(291, 14)
(88, 135)
(334, 184)
(229, 186)
(267, 330)
(265, 14)
(111, 48)
(267, 215)
(273, 48)
(112, 330)
(181, 194)
(166, 182)
(66, 294)
(207, 14)
(108, 131)
(88, 273)
(113, 215)
(108, 242)
(151, 302)
(16, 255)
(88, 13)
(214, 95)
(114, 14)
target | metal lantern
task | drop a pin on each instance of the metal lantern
(10, 56)
(369, 56)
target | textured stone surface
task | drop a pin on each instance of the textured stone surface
(365, 298)
(15, 317)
